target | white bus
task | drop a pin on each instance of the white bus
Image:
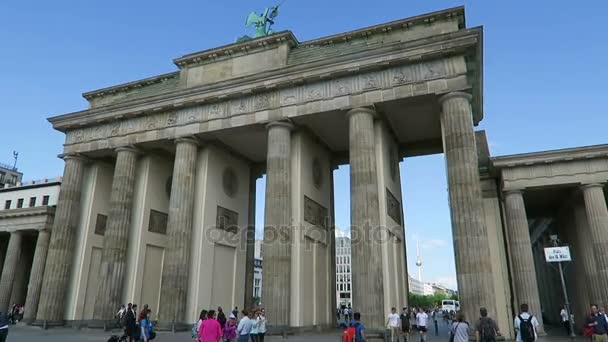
(449, 305)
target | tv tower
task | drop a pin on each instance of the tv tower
(418, 261)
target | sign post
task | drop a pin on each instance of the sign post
(561, 254)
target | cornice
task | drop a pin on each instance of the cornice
(129, 86)
(33, 211)
(428, 18)
(395, 54)
(236, 49)
(551, 156)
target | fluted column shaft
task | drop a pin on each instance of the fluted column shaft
(597, 215)
(174, 286)
(471, 245)
(8, 271)
(366, 260)
(63, 243)
(115, 240)
(36, 275)
(276, 292)
(520, 250)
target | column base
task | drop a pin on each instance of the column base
(173, 326)
(44, 324)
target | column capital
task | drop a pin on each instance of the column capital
(513, 192)
(191, 139)
(128, 148)
(367, 110)
(592, 185)
(280, 123)
(455, 94)
(76, 156)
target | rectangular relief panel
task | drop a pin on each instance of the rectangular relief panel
(100, 224)
(158, 222)
(393, 207)
(315, 214)
(227, 220)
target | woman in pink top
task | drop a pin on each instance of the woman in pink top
(210, 330)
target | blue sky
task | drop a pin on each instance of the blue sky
(545, 77)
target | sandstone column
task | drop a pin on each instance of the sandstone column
(8, 271)
(36, 275)
(250, 242)
(278, 228)
(63, 243)
(471, 245)
(597, 215)
(174, 285)
(366, 266)
(115, 240)
(520, 250)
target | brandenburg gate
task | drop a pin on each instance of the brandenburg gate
(158, 196)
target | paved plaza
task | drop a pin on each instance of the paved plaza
(26, 334)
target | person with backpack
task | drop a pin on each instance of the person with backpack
(525, 325)
(359, 328)
(460, 329)
(486, 329)
(597, 321)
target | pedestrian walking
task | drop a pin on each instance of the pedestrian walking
(359, 328)
(421, 323)
(130, 323)
(210, 330)
(405, 323)
(244, 328)
(146, 329)
(230, 329)
(254, 329)
(393, 323)
(598, 325)
(221, 317)
(486, 329)
(460, 329)
(261, 325)
(526, 325)
(565, 319)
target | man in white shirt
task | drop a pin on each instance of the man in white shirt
(394, 324)
(525, 316)
(565, 320)
(421, 321)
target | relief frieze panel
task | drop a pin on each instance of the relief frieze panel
(249, 103)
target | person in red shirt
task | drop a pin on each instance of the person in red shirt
(210, 330)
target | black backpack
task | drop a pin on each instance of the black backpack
(526, 329)
(487, 333)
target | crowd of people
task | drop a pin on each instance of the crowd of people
(137, 326)
(214, 326)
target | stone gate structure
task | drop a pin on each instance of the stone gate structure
(169, 165)
(157, 201)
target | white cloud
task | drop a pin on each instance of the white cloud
(432, 243)
(342, 233)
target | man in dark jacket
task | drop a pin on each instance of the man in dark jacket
(598, 322)
(130, 323)
(221, 317)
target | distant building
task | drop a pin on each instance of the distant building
(26, 217)
(257, 271)
(426, 289)
(9, 176)
(343, 275)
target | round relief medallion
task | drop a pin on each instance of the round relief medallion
(229, 182)
(317, 174)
